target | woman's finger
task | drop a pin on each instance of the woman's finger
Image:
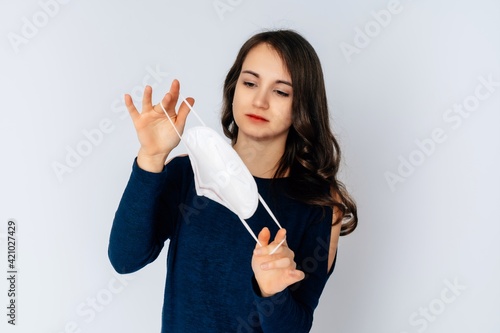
(264, 236)
(284, 262)
(129, 103)
(184, 111)
(294, 276)
(279, 241)
(174, 96)
(146, 99)
(280, 236)
(161, 109)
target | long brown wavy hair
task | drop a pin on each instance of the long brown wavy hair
(312, 154)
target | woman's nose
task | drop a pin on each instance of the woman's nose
(260, 99)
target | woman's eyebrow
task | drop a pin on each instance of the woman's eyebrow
(257, 76)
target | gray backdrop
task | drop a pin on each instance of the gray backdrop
(414, 90)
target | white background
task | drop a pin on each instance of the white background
(439, 226)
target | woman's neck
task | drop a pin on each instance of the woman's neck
(260, 157)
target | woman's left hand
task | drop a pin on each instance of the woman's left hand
(274, 272)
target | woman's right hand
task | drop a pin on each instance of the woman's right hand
(156, 135)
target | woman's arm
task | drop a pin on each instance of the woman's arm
(147, 212)
(146, 216)
(292, 308)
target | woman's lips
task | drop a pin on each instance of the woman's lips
(256, 117)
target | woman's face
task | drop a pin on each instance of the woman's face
(262, 104)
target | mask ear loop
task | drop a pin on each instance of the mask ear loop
(171, 122)
(245, 224)
(274, 219)
(192, 109)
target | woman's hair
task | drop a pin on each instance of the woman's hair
(312, 154)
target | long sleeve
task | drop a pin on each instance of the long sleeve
(145, 217)
(208, 265)
(292, 309)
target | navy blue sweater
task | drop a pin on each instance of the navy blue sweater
(210, 286)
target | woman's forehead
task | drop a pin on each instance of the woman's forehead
(265, 61)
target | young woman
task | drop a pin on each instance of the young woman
(218, 280)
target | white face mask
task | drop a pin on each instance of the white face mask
(220, 174)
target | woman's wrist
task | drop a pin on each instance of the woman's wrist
(258, 290)
(151, 163)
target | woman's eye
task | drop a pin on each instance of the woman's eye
(282, 93)
(249, 84)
